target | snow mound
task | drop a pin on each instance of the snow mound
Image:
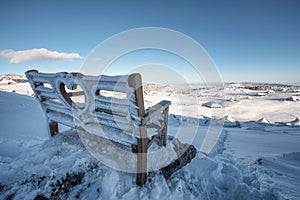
(227, 121)
(295, 122)
(291, 156)
(23, 124)
(259, 94)
(230, 122)
(212, 105)
(293, 98)
(22, 118)
(263, 121)
(237, 98)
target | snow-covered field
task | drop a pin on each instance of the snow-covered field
(257, 155)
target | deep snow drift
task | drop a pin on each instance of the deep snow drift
(257, 155)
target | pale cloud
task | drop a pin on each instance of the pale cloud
(36, 54)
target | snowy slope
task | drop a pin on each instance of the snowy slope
(23, 123)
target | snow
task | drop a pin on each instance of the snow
(256, 154)
(7, 82)
(22, 123)
(230, 122)
(258, 94)
(294, 98)
(263, 121)
(212, 105)
(295, 122)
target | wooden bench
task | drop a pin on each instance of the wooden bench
(112, 102)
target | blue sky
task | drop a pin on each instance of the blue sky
(254, 40)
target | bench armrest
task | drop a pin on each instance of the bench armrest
(154, 110)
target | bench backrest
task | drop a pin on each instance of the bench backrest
(111, 101)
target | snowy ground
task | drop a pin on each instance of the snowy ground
(256, 157)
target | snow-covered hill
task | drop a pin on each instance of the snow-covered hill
(15, 78)
(251, 160)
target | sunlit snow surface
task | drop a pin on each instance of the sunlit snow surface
(256, 157)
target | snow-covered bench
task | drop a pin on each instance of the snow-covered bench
(112, 104)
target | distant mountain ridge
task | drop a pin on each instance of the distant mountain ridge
(13, 78)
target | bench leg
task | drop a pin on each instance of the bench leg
(165, 129)
(142, 148)
(53, 126)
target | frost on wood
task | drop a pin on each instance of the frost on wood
(55, 91)
(97, 112)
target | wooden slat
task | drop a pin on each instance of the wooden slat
(38, 79)
(54, 103)
(116, 118)
(96, 81)
(116, 123)
(42, 74)
(112, 87)
(111, 130)
(49, 95)
(48, 80)
(43, 89)
(104, 78)
(111, 100)
(108, 123)
(127, 141)
(121, 110)
(64, 111)
(61, 118)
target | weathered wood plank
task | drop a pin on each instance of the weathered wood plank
(48, 95)
(58, 109)
(142, 149)
(120, 79)
(112, 87)
(112, 100)
(165, 129)
(111, 109)
(114, 118)
(44, 89)
(61, 118)
(135, 81)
